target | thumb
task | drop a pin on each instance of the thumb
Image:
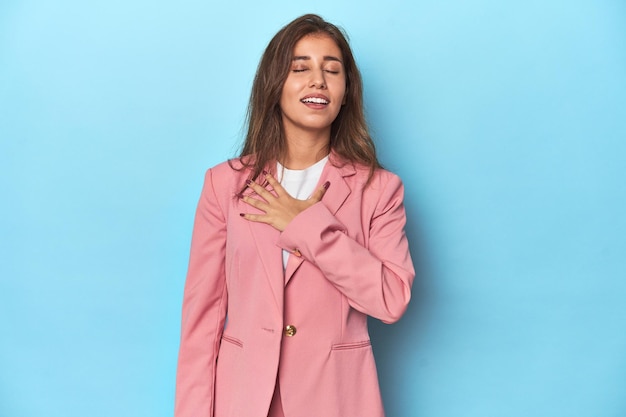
(319, 193)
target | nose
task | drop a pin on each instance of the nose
(317, 79)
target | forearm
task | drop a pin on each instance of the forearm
(376, 276)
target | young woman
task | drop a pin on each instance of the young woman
(295, 242)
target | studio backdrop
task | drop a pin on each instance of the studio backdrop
(505, 120)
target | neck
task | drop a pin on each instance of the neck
(305, 150)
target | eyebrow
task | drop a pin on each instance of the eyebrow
(307, 58)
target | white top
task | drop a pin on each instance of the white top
(300, 184)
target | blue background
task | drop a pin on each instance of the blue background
(506, 120)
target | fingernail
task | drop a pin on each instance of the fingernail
(326, 185)
(248, 182)
(241, 214)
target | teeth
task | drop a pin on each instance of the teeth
(315, 100)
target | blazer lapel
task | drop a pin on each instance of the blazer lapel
(265, 238)
(293, 263)
(333, 199)
(339, 190)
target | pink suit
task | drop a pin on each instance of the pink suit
(350, 258)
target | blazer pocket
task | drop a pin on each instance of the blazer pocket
(351, 345)
(232, 340)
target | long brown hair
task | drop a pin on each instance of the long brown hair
(265, 140)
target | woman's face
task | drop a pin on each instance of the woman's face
(314, 90)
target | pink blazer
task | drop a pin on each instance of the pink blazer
(349, 259)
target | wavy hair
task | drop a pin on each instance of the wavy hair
(265, 140)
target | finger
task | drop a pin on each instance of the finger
(258, 218)
(255, 202)
(260, 190)
(319, 193)
(278, 188)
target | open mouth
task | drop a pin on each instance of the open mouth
(314, 100)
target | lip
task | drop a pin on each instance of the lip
(316, 105)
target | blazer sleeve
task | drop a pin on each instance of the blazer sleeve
(204, 308)
(376, 279)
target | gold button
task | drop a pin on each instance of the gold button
(297, 253)
(290, 330)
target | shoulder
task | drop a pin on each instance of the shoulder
(225, 180)
(383, 177)
(229, 168)
(230, 171)
(361, 175)
(382, 191)
(386, 188)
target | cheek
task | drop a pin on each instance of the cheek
(344, 96)
(341, 90)
(286, 96)
(288, 87)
